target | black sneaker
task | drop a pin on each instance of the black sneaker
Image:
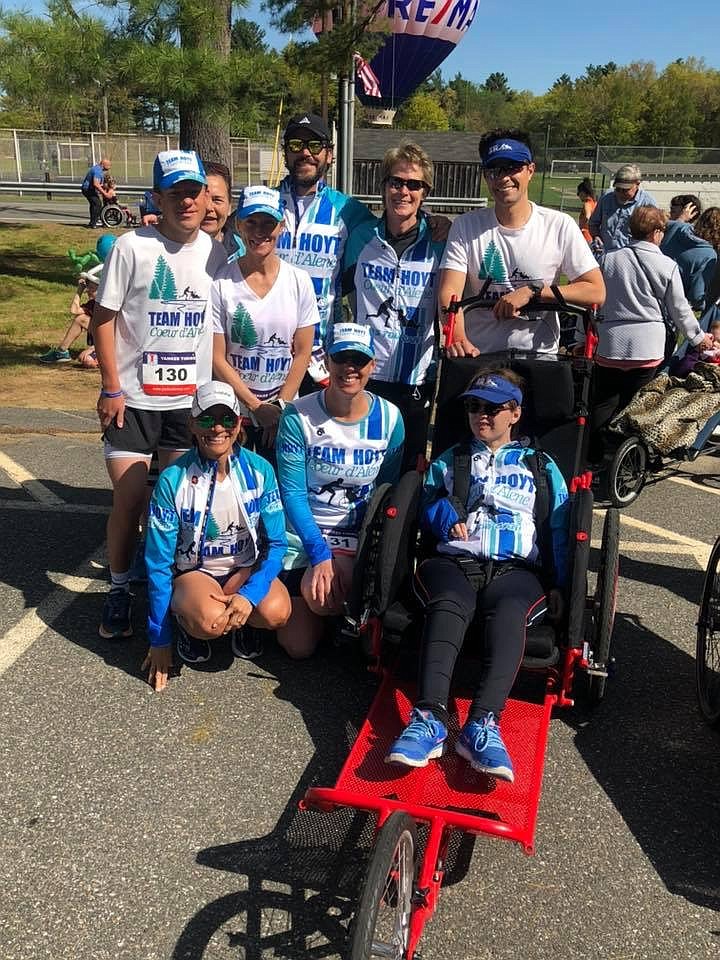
(116, 615)
(191, 649)
(246, 643)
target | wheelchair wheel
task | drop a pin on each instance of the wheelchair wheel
(381, 926)
(627, 473)
(707, 657)
(604, 603)
(112, 215)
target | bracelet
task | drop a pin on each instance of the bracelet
(111, 394)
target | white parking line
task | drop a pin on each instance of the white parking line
(37, 620)
(37, 490)
(686, 482)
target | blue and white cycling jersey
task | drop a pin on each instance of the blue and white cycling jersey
(397, 297)
(328, 470)
(500, 506)
(315, 242)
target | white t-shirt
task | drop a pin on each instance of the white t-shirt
(549, 244)
(159, 289)
(228, 544)
(259, 330)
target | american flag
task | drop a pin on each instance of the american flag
(371, 84)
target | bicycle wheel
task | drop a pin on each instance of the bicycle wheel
(707, 656)
(627, 473)
(112, 216)
(604, 603)
(381, 925)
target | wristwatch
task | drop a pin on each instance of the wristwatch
(537, 287)
(278, 402)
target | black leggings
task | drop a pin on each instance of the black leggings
(612, 390)
(508, 604)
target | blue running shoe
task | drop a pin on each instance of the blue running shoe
(481, 744)
(422, 739)
(116, 617)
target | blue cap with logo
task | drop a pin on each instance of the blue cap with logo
(260, 200)
(494, 389)
(171, 166)
(504, 150)
(352, 336)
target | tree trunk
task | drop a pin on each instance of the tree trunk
(204, 125)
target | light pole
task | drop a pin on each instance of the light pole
(545, 162)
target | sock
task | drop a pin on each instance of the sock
(120, 581)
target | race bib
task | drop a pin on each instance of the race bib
(169, 374)
(342, 542)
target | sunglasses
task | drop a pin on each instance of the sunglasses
(352, 357)
(314, 146)
(397, 183)
(503, 170)
(483, 407)
(206, 421)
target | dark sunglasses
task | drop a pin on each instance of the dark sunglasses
(314, 146)
(353, 357)
(397, 183)
(206, 421)
(503, 170)
(483, 407)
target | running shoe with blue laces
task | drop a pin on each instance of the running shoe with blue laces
(422, 739)
(116, 617)
(481, 744)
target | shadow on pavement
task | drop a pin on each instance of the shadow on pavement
(649, 750)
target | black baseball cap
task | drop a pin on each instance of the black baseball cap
(306, 123)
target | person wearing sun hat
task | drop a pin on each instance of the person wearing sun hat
(514, 252)
(333, 448)
(487, 562)
(215, 541)
(154, 347)
(264, 313)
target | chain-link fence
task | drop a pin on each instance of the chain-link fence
(64, 157)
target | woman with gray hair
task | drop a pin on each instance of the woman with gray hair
(644, 290)
(390, 275)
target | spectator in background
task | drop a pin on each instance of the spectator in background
(611, 217)
(219, 199)
(679, 233)
(588, 200)
(149, 213)
(698, 261)
(81, 315)
(94, 192)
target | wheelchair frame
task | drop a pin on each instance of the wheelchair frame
(402, 885)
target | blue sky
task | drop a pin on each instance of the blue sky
(533, 43)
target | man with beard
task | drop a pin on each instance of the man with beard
(318, 220)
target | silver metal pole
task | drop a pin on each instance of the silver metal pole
(350, 139)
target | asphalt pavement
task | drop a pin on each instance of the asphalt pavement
(139, 826)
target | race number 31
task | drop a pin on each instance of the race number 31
(169, 374)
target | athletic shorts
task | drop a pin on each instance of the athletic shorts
(145, 431)
(292, 579)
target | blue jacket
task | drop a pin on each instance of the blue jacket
(178, 516)
(500, 506)
(611, 218)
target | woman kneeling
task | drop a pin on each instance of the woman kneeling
(215, 541)
(479, 503)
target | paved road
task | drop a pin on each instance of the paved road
(61, 209)
(147, 827)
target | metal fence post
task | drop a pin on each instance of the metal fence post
(18, 164)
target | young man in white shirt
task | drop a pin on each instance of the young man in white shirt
(516, 251)
(154, 347)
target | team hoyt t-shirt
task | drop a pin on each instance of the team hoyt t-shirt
(228, 543)
(328, 470)
(548, 245)
(259, 330)
(159, 289)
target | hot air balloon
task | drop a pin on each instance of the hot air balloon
(424, 33)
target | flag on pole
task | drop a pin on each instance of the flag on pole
(370, 82)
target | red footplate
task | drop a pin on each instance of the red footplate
(449, 787)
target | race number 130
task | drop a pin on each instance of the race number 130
(169, 374)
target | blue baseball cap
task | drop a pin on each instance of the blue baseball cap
(503, 150)
(171, 166)
(352, 336)
(260, 200)
(494, 389)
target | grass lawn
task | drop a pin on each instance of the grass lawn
(37, 283)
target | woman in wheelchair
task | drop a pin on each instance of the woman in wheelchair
(495, 557)
(333, 448)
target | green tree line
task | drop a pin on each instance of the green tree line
(163, 66)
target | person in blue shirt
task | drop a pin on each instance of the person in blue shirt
(94, 190)
(333, 448)
(391, 276)
(488, 561)
(610, 219)
(215, 541)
